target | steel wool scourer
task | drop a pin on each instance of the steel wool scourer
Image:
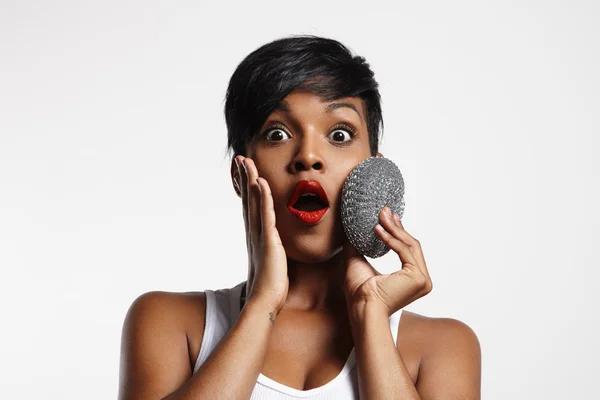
(371, 185)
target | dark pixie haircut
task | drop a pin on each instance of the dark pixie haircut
(268, 74)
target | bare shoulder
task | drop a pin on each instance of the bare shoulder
(161, 332)
(449, 355)
(435, 330)
(173, 311)
(177, 304)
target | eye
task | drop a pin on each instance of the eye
(274, 134)
(342, 131)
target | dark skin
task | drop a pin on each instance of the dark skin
(312, 338)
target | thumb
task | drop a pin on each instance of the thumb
(358, 269)
(352, 257)
(350, 253)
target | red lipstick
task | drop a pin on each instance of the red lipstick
(313, 188)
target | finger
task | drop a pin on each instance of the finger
(244, 190)
(414, 244)
(268, 220)
(402, 249)
(253, 198)
(391, 224)
(403, 234)
(410, 268)
(416, 249)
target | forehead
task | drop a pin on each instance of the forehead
(304, 101)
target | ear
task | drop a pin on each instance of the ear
(379, 154)
(235, 179)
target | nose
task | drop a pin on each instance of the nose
(308, 155)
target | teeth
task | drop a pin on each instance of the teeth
(309, 194)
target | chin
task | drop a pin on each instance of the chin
(311, 245)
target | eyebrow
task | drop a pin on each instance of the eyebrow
(283, 106)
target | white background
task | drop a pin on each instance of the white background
(114, 179)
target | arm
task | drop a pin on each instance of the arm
(451, 368)
(155, 362)
(381, 371)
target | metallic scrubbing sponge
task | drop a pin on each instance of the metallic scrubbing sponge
(371, 185)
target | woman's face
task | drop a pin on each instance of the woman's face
(308, 139)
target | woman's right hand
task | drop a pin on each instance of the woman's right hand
(268, 281)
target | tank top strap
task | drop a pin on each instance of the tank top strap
(207, 345)
(394, 323)
(220, 315)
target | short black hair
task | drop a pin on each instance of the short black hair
(268, 74)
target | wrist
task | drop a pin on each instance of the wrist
(361, 310)
(258, 303)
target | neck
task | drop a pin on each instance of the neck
(316, 287)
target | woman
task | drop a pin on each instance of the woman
(314, 319)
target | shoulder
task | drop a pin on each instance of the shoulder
(181, 314)
(161, 332)
(166, 311)
(158, 305)
(449, 352)
(437, 331)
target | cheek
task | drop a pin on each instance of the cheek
(279, 193)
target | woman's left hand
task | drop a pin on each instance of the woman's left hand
(364, 285)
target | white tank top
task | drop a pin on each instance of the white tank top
(222, 310)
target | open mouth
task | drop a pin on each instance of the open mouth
(309, 202)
